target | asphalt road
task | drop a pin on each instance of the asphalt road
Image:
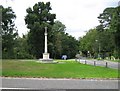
(102, 63)
(39, 83)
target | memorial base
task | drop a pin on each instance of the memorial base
(46, 58)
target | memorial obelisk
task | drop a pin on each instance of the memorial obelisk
(46, 54)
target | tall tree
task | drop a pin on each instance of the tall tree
(56, 45)
(88, 43)
(37, 19)
(110, 21)
(63, 43)
(9, 32)
(115, 25)
(69, 45)
(97, 42)
(0, 33)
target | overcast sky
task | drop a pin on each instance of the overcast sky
(77, 15)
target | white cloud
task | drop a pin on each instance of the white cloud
(77, 15)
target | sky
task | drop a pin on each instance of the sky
(77, 15)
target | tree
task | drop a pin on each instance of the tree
(110, 20)
(88, 43)
(21, 48)
(105, 18)
(97, 42)
(115, 25)
(62, 44)
(56, 44)
(37, 19)
(9, 32)
(69, 45)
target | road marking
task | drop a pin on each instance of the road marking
(14, 88)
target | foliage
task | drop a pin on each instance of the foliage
(96, 42)
(110, 19)
(59, 42)
(31, 45)
(37, 19)
(55, 47)
(69, 46)
(68, 69)
(104, 39)
(9, 32)
(21, 48)
(87, 43)
(63, 44)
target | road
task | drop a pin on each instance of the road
(110, 64)
(39, 83)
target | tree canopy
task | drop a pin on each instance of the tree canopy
(105, 38)
(9, 32)
(59, 42)
(38, 17)
(110, 19)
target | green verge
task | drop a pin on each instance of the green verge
(65, 69)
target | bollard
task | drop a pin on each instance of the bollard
(106, 65)
(94, 63)
(85, 62)
(76, 59)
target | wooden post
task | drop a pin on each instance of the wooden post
(79, 59)
(94, 63)
(85, 62)
(76, 59)
(106, 65)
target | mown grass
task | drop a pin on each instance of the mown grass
(67, 69)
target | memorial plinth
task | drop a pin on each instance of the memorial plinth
(45, 55)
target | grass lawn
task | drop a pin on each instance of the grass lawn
(68, 69)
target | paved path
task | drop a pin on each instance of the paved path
(110, 64)
(35, 83)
